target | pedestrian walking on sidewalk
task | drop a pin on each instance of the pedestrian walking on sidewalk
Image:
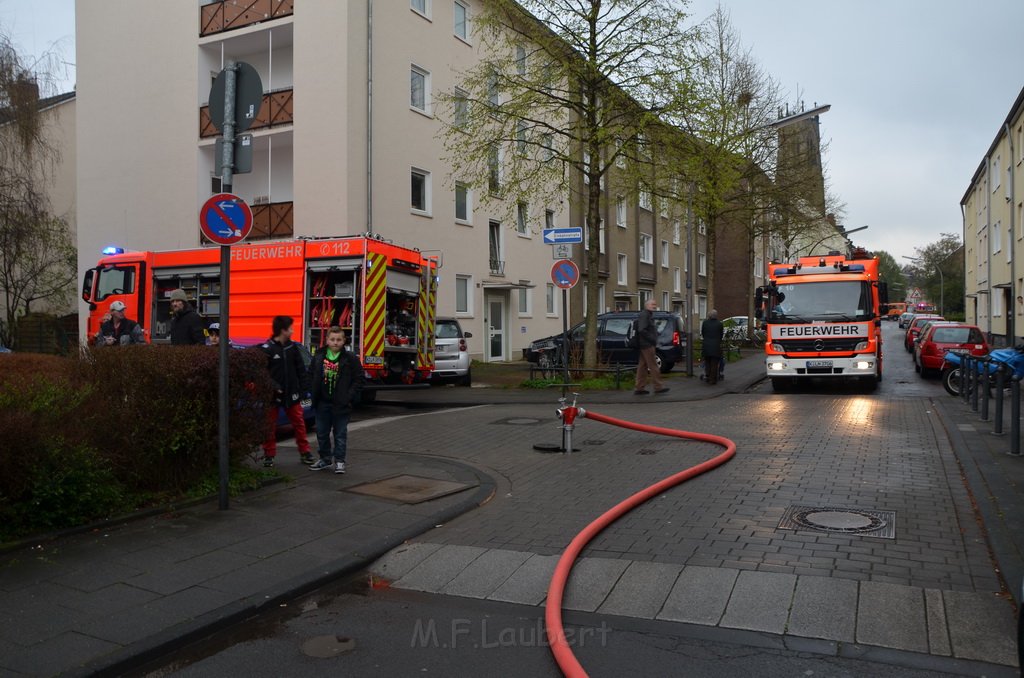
(711, 332)
(337, 379)
(647, 340)
(186, 325)
(291, 383)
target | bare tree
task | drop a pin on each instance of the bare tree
(37, 253)
(565, 89)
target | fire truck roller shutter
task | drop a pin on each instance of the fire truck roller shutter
(335, 265)
(405, 282)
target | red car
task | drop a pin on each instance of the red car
(915, 328)
(938, 339)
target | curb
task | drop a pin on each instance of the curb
(139, 654)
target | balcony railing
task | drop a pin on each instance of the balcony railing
(228, 15)
(275, 110)
(270, 220)
(497, 267)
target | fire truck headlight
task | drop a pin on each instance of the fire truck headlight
(862, 346)
(777, 348)
(775, 366)
(863, 365)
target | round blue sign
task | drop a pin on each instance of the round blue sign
(225, 219)
(565, 274)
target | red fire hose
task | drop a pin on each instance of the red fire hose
(563, 654)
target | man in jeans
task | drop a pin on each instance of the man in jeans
(647, 339)
(291, 383)
(337, 380)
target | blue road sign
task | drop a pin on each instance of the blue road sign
(554, 236)
(225, 219)
(565, 274)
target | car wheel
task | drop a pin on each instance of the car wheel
(466, 379)
(917, 368)
(781, 384)
(664, 366)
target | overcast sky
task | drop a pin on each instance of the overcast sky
(918, 89)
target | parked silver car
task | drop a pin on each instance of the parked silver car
(451, 353)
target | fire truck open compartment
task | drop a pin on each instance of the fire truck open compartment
(200, 284)
(332, 290)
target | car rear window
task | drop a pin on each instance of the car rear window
(956, 335)
(918, 322)
(446, 330)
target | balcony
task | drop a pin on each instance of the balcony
(227, 15)
(276, 110)
(270, 220)
(497, 267)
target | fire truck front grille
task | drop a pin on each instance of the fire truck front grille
(818, 345)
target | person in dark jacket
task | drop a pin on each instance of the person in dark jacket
(118, 330)
(186, 325)
(711, 332)
(291, 383)
(647, 340)
(337, 379)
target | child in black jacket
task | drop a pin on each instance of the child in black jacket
(337, 378)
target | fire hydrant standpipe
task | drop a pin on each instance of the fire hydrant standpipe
(563, 654)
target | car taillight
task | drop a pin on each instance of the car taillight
(462, 345)
(675, 338)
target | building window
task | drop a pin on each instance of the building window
(702, 264)
(493, 93)
(758, 267)
(496, 259)
(702, 306)
(524, 302)
(550, 306)
(463, 202)
(677, 280)
(664, 253)
(549, 218)
(549, 148)
(586, 167)
(522, 219)
(461, 21)
(461, 108)
(644, 296)
(665, 301)
(419, 89)
(623, 269)
(521, 60)
(645, 200)
(521, 138)
(463, 293)
(620, 157)
(997, 303)
(997, 240)
(676, 232)
(996, 174)
(663, 203)
(646, 249)
(701, 228)
(620, 211)
(494, 170)
(420, 191)
(420, 7)
(600, 237)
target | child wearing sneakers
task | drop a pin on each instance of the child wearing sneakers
(337, 378)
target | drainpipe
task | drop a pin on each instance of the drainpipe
(988, 248)
(369, 116)
(1011, 313)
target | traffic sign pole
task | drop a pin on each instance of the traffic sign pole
(226, 180)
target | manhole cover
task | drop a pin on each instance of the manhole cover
(409, 489)
(325, 647)
(843, 520)
(519, 421)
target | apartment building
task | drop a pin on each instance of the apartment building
(346, 142)
(993, 234)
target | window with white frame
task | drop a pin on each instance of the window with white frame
(463, 294)
(645, 200)
(550, 305)
(701, 228)
(676, 232)
(997, 303)
(494, 169)
(702, 264)
(996, 175)
(420, 7)
(522, 219)
(586, 167)
(1020, 144)
(997, 240)
(493, 93)
(521, 145)
(600, 298)
(463, 202)
(646, 249)
(525, 304)
(620, 157)
(623, 269)
(420, 190)
(663, 204)
(664, 253)
(702, 306)
(521, 60)
(419, 89)
(600, 237)
(461, 106)
(461, 27)
(547, 141)
(677, 280)
(665, 302)
(620, 211)
(758, 267)
(644, 296)
(549, 218)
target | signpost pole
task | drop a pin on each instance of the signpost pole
(565, 341)
(227, 178)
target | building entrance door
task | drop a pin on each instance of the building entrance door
(495, 328)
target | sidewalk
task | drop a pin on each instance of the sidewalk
(104, 602)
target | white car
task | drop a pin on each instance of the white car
(451, 354)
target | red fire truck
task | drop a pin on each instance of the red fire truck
(823, 316)
(384, 295)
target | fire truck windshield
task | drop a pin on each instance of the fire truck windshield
(822, 301)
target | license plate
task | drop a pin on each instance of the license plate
(819, 363)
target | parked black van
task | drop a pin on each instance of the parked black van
(612, 329)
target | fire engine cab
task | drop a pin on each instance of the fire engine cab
(383, 295)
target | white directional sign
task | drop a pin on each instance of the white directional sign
(554, 236)
(561, 251)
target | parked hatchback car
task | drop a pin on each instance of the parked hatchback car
(938, 338)
(451, 353)
(914, 328)
(612, 330)
(905, 318)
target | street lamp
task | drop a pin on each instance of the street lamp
(942, 285)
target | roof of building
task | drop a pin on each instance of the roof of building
(43, 104)
(1015, 110)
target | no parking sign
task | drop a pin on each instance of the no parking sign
(225, 219)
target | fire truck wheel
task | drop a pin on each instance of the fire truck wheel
(870, 383)
(367, 397)
(781, 384)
